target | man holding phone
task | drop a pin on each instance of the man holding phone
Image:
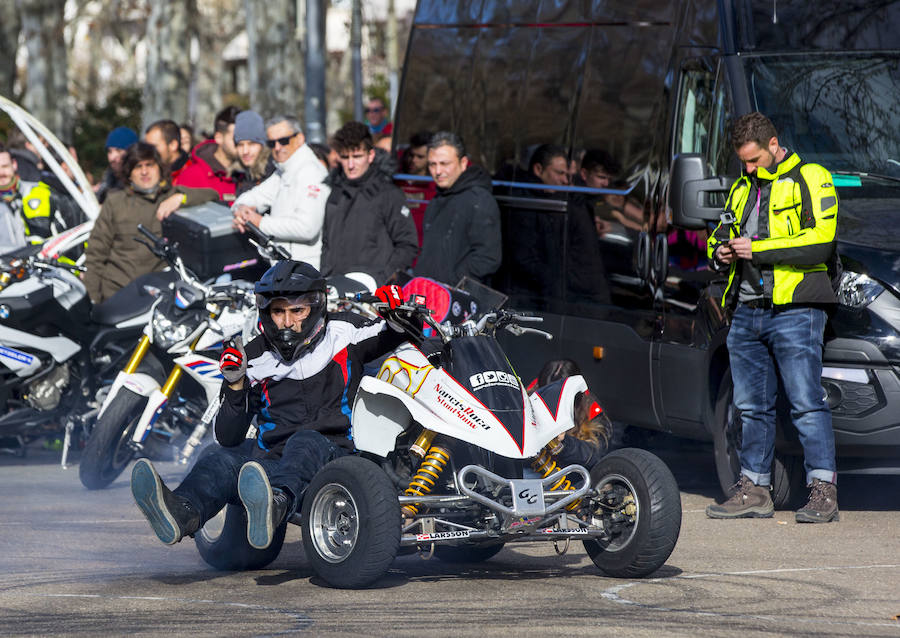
(776, 237)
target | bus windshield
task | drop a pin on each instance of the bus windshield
(838, 110)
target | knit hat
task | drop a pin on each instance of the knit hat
(121, 137)
(248, 125)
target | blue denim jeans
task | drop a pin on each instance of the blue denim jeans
(213, 480)
(789, 343)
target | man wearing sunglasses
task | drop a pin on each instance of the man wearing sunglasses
(294, 195)
(376, 117)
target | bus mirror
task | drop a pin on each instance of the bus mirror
(692, 193)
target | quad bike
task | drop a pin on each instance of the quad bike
(455, 460)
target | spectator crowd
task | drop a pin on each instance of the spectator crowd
(338, 207)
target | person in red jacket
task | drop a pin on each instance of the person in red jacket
(210, 163)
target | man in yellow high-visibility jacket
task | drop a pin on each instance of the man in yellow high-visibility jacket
(776, 237)
(29, 211)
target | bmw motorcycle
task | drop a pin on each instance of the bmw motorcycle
(167, 394)
(455, 460)
(56, 350)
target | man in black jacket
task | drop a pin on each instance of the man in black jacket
(368, 227)
(461, 231)
(298, 378)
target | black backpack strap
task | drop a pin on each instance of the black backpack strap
(808, 220)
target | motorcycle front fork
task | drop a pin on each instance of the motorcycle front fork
(130, 368)
(200, 430)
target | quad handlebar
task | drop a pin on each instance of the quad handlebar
(406, 314)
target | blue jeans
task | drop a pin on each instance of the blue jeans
(213, 480)
(761, 344)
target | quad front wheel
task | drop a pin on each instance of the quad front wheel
(351, 523)
(637, 501)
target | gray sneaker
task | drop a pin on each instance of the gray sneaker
(748, 501)
(822, 506)
(267, 507)
(172, 517)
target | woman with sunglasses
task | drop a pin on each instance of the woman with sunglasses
(294, 195)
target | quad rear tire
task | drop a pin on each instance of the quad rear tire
(467, 553)
(641, 487)
(222, 542)
(351, 523)
(108, 450)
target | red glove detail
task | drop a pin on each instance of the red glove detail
(392, 295)
(231, 359)
(233, 362)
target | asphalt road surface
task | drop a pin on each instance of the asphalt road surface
(80, 563)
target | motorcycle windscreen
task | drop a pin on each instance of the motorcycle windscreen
(479, 365)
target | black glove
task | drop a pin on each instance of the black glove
(233, 362)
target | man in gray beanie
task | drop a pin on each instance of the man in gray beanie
(254, 161)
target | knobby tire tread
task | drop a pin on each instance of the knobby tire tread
(95, 469)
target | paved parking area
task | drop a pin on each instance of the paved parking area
(79, 563)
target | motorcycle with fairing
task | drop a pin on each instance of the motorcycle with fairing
(148, 403)
(455, 460)
(57, 351)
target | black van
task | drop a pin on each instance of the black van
(654, 84)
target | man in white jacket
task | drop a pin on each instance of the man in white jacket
(294, 194)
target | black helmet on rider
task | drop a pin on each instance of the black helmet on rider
(300, 286)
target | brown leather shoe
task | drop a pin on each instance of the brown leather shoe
(748, 501)
(822, 506)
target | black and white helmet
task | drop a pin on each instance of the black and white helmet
(299, 284)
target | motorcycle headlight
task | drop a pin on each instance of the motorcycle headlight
(169, 330)
(857, 290)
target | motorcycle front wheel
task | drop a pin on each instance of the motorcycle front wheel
(108, 450)
(639, 504)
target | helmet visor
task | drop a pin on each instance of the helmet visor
(306, 300)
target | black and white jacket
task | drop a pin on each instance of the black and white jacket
(315, 392)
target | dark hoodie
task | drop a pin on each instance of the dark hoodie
(367, 225)
(461, 231)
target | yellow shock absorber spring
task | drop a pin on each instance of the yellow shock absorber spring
(545, 465)
(425, 478)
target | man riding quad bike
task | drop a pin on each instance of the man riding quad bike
(451, 455)
(297, 378)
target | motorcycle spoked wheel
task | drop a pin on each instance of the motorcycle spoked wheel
(108, 450)
(222, 542)
(467, 553)
(351, 523)
(640, 544)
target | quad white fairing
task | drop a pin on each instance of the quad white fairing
(408, 388)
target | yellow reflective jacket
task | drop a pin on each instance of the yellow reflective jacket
(36, 209)
(796, 238)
